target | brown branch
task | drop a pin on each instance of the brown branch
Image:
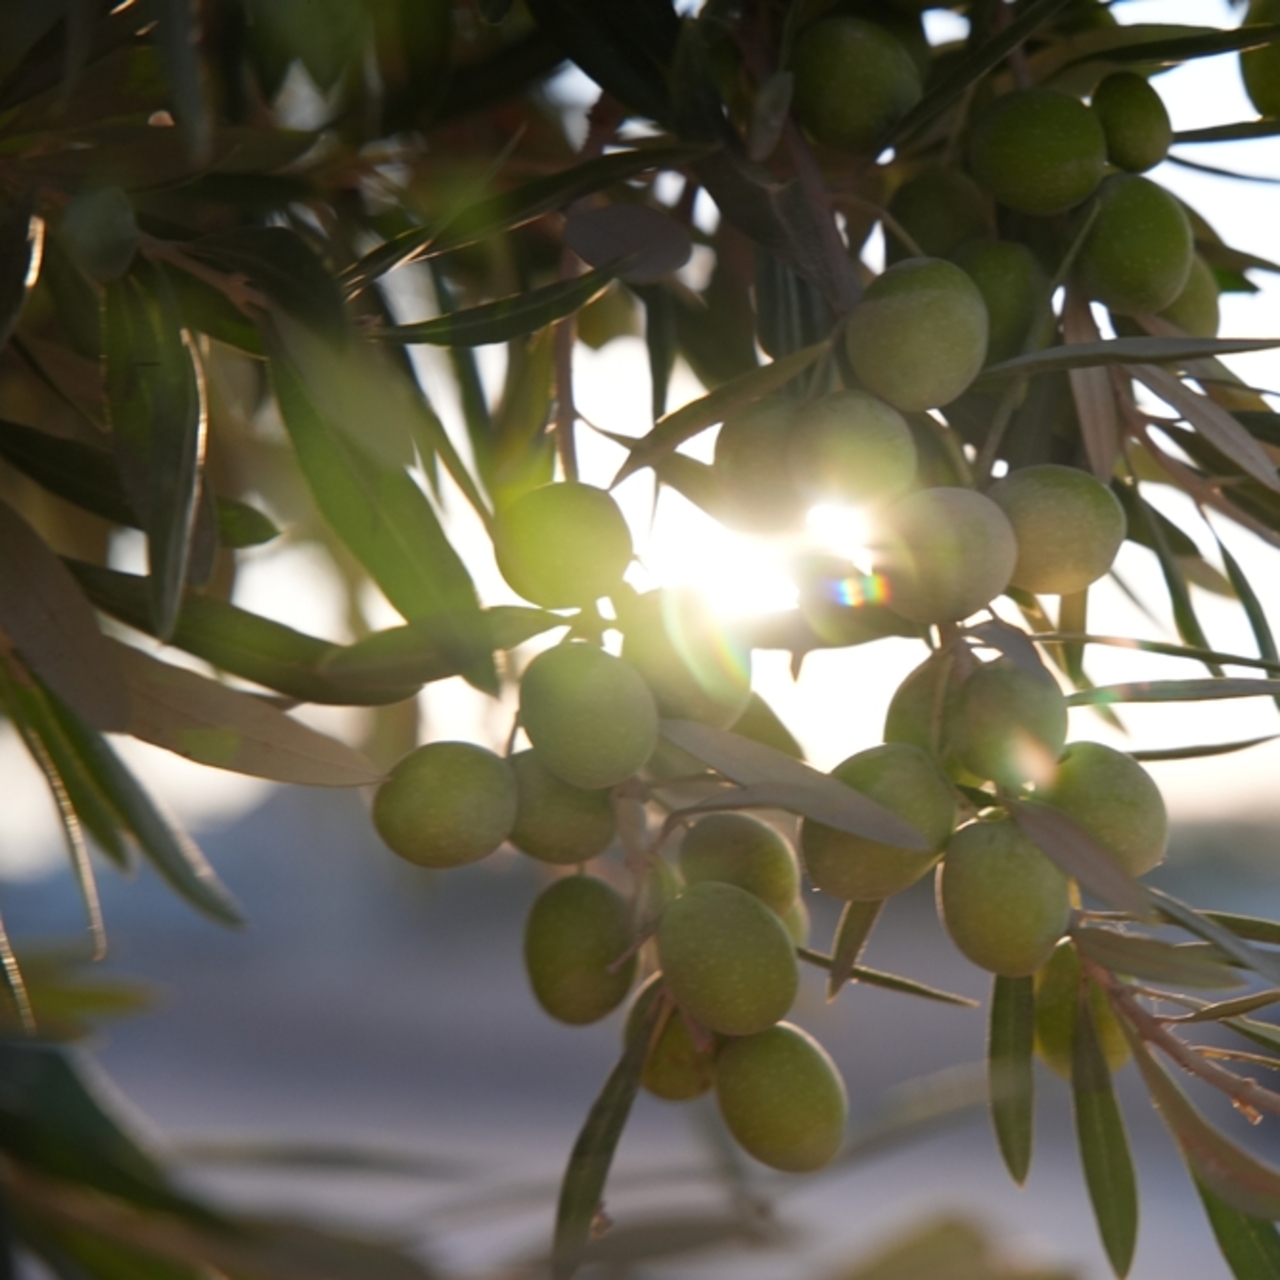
(1246, 1094)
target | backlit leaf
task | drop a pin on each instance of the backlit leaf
(1230, 941)
(1010, 1073)
(856, 922)
(1187, 965)
(1175, 691)
(887, 981)
(1250, 1246)
(1091, 389)
(1120, 351)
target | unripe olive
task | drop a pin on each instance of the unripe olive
(556, 822)
(905, 780)
(675, 1069)
(1134, 121)
(796, 920)
(1138, 253)
(918, 338)
(100, 232)
(1038, 151)
(1260, 68)
(851, 447)
(1003, 902)
(944, 554)
(853, 83)
(1069, 527)
(562, 544)
(446, 804)
(742, 850)
(695, 668)
(1195, 309)
(727, 959)
(1007, 724)
(1013, 286)
(1083, 15)
(918, 709)
(1116, 800)
(939, 209)
(782, 1098)
(751, 463)
(589, 715)
(577, 930)
(1057, 1000)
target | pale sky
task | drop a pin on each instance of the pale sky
(838, 705)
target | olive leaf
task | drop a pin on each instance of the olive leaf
(856, 922)
(1010, 1073)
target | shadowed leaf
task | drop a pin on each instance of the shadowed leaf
(1187, 965)
(1010, 1042)
(856, 922)
(1250, 1246)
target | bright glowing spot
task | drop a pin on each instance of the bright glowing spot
(842, 530)
(736, 575)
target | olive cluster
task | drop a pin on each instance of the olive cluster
(719, 928)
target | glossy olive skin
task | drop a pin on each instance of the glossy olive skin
(1134, 120)
(907, 782)
(1003, 902)
(556, 822)
(1057, 998)
(1069, 527)
(1116, 800)
(782, 1098)
(1138, 253)
(562, 544)
(675, 1069)
(1007, 724)
(1260, 68)
(446, 804)
(944, 553)
(918, 337)
(589, 715)
(853, 83)
(1038, 151)
(727, 959)
(577, 931)
(738, 849)
(851, 447)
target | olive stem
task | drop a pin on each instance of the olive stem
(1247, 1094)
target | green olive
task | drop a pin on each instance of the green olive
(1069, 527)
(1008, 724)
(1116, 800)
(1134, 121)
(1137, 255)
(100, 232)
(944, 553)
(562, 545)
(589, 715)
(751, 464)
(675, 1069)
(727, 959)
(1013, 286)
(574, 940)
(742, 850)
(446, 804)
(851, 447)
(1195, 309)
(1038, 151)
(1260, 68)
(1004, 903)
(918, 338)
(782, 1098)
(905, 780)
(939, 209)
(556, 822)
(853, 83)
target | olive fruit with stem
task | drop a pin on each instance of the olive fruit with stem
(555, 821)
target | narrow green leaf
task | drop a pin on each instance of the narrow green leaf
(177, 36)
(887, 981)
(386, 521)
(728, 398)
(507, 318)
(1235, 1008)
(1175, 691)
(1120, 351)
(513, 209)
(242, 525)
(1204, 924)
(1241, 130)
(1266, 1034)
(1010, 1071)
(1250, 1246)
(47, 619)
(1076, 852)
(155, 399)
(974, 65)
(1252, 607)
(1104, 1148)
(1200, 752)
(1177, 49)
(1251, 928)
(856, 922)
(215, 725)
(1245, 1183)
(170, 850)
(1187, 965)
(779, 781)
(1162, 647)
(582, 1187)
